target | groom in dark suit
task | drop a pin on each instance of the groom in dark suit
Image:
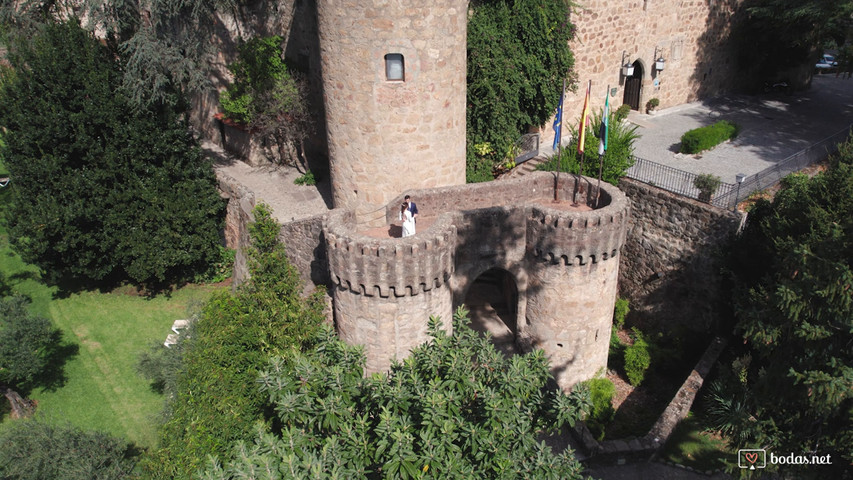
(413, 208)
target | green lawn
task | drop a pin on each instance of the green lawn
(689, 445)
(104, 334)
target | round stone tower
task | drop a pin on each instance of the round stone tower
(394, 89)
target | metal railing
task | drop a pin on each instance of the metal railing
(730, 194)
(528, 146)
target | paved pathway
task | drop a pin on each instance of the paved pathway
(773, 127)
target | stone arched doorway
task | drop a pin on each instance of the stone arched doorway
(633, 87)
(493, 302)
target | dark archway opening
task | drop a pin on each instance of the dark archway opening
(633, 86)
(493, 302)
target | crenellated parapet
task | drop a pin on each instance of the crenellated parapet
(579, 237)
(393, 267)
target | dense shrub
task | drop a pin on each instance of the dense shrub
(103, 191)
(620, 311)
(617, 159)
(216, 401)
(456, 408)
(518, 56)
(36, 450)
(704, 138)
(622, 112)
(637, 359)
(601, 391)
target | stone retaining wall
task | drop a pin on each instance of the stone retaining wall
(670, 267)
(238, 215)
(676, 410)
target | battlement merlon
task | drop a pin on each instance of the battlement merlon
(389, 267)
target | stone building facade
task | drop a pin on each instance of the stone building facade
(692, 36)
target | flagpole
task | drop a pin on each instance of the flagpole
(560, 146)
(581, 140)
(602, 145)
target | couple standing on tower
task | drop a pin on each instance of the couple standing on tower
(408, 214)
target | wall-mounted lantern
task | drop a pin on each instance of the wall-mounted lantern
(660, 63)
(627, 68)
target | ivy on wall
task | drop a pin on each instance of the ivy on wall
(518, 56)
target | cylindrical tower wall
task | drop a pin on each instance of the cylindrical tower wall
(386, 289)
(570, 312)
(387, 136)
(573, 269)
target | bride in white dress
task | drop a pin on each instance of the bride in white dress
(408, 220)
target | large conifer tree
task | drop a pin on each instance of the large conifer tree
(103, 190)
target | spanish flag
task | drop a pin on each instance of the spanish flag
(584, 117)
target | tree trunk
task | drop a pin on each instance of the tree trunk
(21, 407)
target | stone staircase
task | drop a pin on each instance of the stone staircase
(525, 168)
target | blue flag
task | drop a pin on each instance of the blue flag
(558, 123)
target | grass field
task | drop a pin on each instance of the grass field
(104, 333)
(690, 446)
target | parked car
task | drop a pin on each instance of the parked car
(826, 63)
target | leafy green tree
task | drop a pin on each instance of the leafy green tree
(28, 344)
(103, 191)
(165, 45)
(617, 159)
(794, 307)
(265, 96)
(34, 449)
(781, 34)
(456, 408)
(216, 401)
(518, 57)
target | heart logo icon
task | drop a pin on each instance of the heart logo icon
(751, 457)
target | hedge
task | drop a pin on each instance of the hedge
(705, 138)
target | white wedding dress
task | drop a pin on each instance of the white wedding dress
(408, 223)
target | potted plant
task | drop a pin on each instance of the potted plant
(707, 184)
(651, 105)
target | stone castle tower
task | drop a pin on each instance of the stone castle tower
(394, 85)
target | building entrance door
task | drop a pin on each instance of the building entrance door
(633, 85)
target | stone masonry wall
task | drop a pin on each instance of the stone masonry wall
(238, 215)
(669, 268)
(691, 35)
(569, 315)
(387, 136)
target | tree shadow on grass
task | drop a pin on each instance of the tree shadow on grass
(53, 377)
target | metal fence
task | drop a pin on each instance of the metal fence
(528, 147)
(730, 194)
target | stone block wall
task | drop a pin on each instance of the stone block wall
(305, 246)
(387, 136)
(238, 215)
(691, 35)
(670, 268)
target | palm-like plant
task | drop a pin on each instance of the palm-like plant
(617, 159)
